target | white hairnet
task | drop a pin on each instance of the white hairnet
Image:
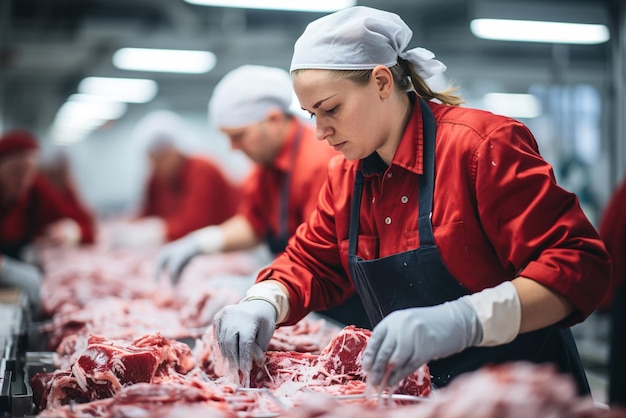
(161, 129)
(360, 38)
(246, 94)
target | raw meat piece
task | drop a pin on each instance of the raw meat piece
(339, 363)
(150, 400)
(106, 366)
(284, 366)
(309, 335)
(344, 354)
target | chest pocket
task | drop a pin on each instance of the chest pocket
(367, 249)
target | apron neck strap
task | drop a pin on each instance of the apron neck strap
(283, 223)
(426, 187)
(427, 180)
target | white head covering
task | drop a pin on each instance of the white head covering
(360, 38)
(246, 94)
(161, 129)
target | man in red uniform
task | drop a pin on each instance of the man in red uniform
(31, 209)
(251, 106)
(613, 232)
(183, 192)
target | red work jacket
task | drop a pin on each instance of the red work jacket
(613, 231)
(263, 187)
(200, 195)
(497, 214)
(28, 218)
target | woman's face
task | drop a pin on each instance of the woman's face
(349, 116)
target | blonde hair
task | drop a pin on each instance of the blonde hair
(405, 77)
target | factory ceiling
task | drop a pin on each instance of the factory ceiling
(48, 46)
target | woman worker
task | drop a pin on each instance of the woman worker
(31, 209)
(446, 220)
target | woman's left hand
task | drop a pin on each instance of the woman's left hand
(406, 339)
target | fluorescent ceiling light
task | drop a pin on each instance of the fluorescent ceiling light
(512, 105)
(129, 90)
(537, 31)
(82, 114)
(88, 111)
(164, 60)
(293, 5)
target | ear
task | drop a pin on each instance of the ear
(275, 115)
(383, 78)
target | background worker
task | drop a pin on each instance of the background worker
(612, 228)
(31, 210)
(182, 193)
(251, 106)
(446, 219)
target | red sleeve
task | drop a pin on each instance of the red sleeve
(81, 214)
(148, 204)
(53, 206)
(311, 266)
(613, 231)
(208, 199)
(533, 224)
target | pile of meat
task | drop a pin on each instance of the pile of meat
(336, 371)
(114, 331)
(105, 366)
(107, 369)
(513, 390)
(76, 278)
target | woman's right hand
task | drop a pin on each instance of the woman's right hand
(243, 334)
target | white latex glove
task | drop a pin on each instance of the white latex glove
(144, 233)
(174, 257)
(23, 276)
(64, 232)
(243, 334)
(406, 339)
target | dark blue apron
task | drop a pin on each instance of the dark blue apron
(351, 312)
(419, 278)
(278, 241)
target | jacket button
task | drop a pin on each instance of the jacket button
(387, 220)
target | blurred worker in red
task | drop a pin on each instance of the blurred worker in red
(251, 105)
(612, 230)
(183, 192)
(31, 209)
(55, 166)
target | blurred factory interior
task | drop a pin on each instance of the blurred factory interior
(573, 93)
